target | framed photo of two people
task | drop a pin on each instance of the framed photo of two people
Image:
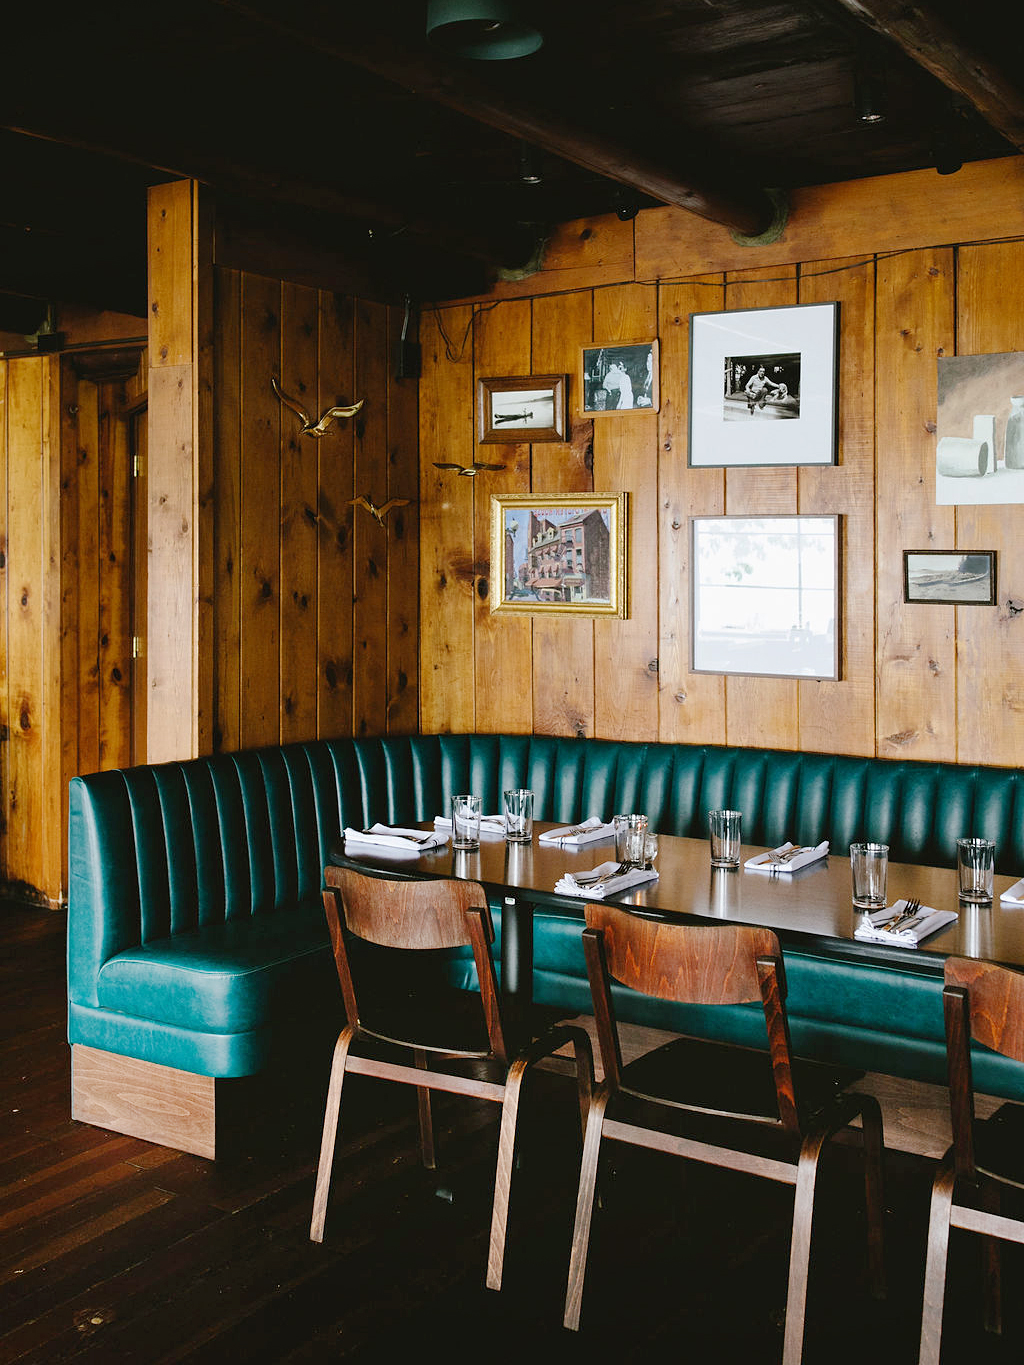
(763, 386)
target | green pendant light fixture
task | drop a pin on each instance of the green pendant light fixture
(483, 30)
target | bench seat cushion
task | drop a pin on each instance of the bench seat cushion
(224, 978)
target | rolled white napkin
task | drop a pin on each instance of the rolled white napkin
(1013, 895)
(927, 921)
(761, 862)
(395, 838)
(572, 836)
(607, 883)
(489, 824)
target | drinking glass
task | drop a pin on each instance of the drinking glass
(869, 867)
(518, 816)
(976, 866)
(630, 839)
(466, 821)
(724, 826)
(650, 850)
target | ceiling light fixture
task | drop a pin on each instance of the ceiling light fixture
(869, 97)
(529, 170)
(484, 30)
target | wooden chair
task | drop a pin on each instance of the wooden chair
(986, 1002)
(435, 1022)
(766, 1113)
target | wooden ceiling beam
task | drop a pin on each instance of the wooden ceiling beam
(930, 42)
(456, 87)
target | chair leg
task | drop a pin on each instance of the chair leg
(584, 1057)
(874, 1193)
(584, 1208)
(330, 1134)
(503, 1172)
(800, 1247)
(993, 1263)
(426, 1116)
(935, 1262)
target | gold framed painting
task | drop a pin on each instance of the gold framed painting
(561, 554)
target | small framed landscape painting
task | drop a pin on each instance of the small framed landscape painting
(956, 577)
(763, 386)
(559, 555)
(516, 410)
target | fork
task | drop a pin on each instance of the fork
(908, 913)
(412, 838)
(589, 878)
(775, 856)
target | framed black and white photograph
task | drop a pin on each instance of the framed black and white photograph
(619, 378)
(955, 577)
(525, 408)
(765, 596)
(763, 386)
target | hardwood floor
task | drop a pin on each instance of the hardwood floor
(114, 1250)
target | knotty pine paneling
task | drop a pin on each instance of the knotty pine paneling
(336, 387)
(626, 459)
(927, 682)
(370, 595)
(915, 649)
(563, 695)
(691, 705)
(448, 682)
(838, 717)
(307, 588)
(403, 544)
(502, 644)
(990, 643)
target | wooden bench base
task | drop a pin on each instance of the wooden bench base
(172, 1108)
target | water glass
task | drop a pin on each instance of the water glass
(630, 839)
(976, 866)
(869, 868)
(650, 850)
(724, 826)
(518, 816)
(466, 821)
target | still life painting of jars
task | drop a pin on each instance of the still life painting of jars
(979, 448)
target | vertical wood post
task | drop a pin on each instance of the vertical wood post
(179, 502)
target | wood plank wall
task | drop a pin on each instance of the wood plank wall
(65, 603)
(931, 682)
(315, 605)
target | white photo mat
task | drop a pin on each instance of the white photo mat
(724, 430)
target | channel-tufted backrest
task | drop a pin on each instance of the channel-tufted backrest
(166, 849)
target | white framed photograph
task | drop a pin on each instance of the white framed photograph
(765, 596)
(763, 386)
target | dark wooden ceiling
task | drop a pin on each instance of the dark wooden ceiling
(338, 126)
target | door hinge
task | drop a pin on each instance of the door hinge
(136, 647)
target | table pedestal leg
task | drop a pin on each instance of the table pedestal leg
(517, 964)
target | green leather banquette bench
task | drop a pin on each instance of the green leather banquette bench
(197, 948)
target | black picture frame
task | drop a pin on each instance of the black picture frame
(764, 387)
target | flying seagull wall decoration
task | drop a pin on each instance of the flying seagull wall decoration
(378, 513)
(468, 471)
(309, 427)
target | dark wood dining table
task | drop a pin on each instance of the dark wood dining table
(810, 908)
